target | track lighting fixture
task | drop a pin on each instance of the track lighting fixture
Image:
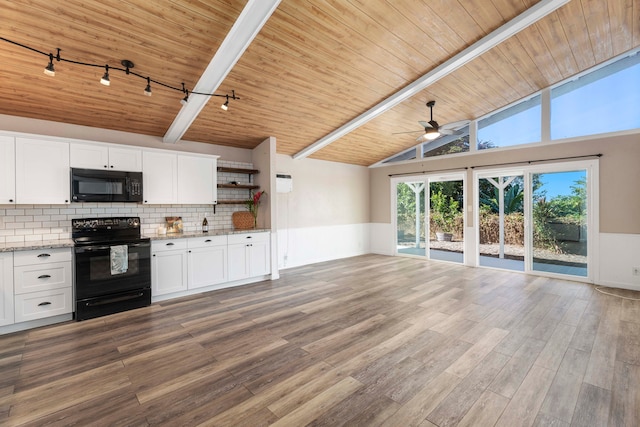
(105, 79)
(49, 70)
(147, 90)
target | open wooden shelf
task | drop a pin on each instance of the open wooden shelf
(231, 202)
(239, 186)
(238, 170)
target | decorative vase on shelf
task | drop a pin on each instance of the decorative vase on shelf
(243, 220)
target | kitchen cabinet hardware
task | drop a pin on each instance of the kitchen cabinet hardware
(44, 303)
(44, 255)
(44, 276)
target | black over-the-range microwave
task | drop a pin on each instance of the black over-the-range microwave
(96, 185)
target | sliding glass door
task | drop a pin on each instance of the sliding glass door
(429, 219)
(410, 217)
(446, 218)
(560, 222)
(539, 218)
(501, 240)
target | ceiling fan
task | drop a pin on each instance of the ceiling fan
(433, 130)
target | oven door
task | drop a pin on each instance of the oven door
(94, 276)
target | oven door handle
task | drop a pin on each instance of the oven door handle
(91, 248)
(138, 245)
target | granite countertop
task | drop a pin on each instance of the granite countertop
(189, 234)
(68, 243)
(42, 244)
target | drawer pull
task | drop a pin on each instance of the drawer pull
(207, 241)
(44, 276)
(44, 303)
(170, 244)
(44, 256)
(248, 237)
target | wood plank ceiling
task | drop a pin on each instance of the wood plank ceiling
(314, 66)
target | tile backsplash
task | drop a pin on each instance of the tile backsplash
(28, 223)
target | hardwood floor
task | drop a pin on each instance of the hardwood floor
(365, 341)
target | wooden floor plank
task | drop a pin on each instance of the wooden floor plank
(370, 340)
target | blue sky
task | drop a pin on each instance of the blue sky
(560, 183)
(605, 101)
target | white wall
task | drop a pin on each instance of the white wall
(326, 216)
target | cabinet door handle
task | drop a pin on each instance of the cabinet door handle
(207, 241)
(44, 255)
(10, 200)
(44, 303)
(44, 276)
(170, 244)
(154, 254)
(249, 237)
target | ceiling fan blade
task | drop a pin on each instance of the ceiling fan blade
(456, 125)
(425, 124)
(411, 131)
(449, 132)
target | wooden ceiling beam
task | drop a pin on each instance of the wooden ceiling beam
(253, 17)
(517, 24)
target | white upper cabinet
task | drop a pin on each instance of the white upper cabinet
(98, 156)
(159, 177)
(42, 171)
(7, 170)
(197, 179)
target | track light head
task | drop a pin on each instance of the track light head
(105, 79)
(49, 70)
(147, 90)
(225, 106)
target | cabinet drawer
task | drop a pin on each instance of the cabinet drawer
(31, 278)
(37, 305)
(168, 245)
(41, 256)
(248, 238)
(203, 242)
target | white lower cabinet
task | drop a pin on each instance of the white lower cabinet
(187, 264)
(249, 255)
(6, 288)
(168, 266)
(43, 283)
(207, 261)
(37, 305)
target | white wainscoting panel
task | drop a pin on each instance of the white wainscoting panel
(302, 246)
(619, 254)
(381, 239)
